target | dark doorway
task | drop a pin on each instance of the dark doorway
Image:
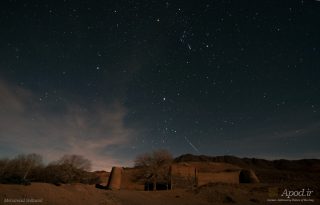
(244, 176)
(148, 186)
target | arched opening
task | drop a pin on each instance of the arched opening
(247, 176)
(148, 186)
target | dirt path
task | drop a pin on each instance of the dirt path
(155, 198)
(80, 194)
(42, 193)
(87, 194)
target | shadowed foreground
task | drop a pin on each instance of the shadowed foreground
(88, 194)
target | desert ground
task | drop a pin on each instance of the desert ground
(275, 177)
(42, 193)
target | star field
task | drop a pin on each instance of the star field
(113, 79)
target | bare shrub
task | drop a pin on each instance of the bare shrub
(70, 169)
(24, 169)
(154, 166)
(21, 169)
(75, 161)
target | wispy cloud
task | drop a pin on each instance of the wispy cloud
(26, 125)
(291, 143)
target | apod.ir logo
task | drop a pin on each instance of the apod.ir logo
(296, 193)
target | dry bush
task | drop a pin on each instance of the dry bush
(75, 161)
(70, 169)
(21, 169)
(24, 169)
(154, 166)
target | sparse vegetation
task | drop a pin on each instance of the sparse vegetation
(154, 166)
(74, 168)
(24, 169)
(21, 169)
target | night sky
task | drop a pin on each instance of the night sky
(112, 79)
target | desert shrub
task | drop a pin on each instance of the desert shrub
(21, 169)
(70, 169)
(154, 167)
(24, 169)
(75, 161)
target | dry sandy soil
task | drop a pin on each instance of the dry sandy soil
(275, 177)
(88, 194)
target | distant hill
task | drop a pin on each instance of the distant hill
(281, 164)
(267, 170)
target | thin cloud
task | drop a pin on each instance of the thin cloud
(272, 144)
(28, 126)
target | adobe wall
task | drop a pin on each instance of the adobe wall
(189, 175)
(218, 177)
(183, 175)
(130, 179)
(114, 182)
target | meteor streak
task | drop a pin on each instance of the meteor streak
(190, 143)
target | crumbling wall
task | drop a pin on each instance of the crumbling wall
(132, 179)
(114, 182)
(188, 175)
(218, 177)
(248, 176)
(183, 176)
